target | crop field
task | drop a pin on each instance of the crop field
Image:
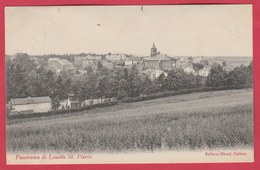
(219, 119)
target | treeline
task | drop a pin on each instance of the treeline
(24, 78)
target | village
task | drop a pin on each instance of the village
(152, 66)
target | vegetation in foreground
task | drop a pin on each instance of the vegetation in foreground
(160, 127)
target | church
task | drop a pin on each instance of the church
(157, 60)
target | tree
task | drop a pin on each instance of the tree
(176, 79)
(24, 60)
(49, 82)
(111, 86)
(17, 81)
(99, 65)
(67, 85)
(238, 76)
(250, 74)
(89, 69)
(134, 82)
(216, 76)
(197, 66)
(123, 89)
(224, 64)
(55, 103)
(148, 86)
(204, 62)
(59, 89)
(101, 87)
(161, 82)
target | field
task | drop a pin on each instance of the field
(235, 60)
(206, 120)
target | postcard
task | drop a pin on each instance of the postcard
(129, 84)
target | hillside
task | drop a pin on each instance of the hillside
(200, 120)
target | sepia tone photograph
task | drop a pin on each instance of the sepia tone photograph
(129, 84)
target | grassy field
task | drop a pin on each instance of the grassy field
(220, 119)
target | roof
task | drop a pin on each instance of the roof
(183, 60)
(53, 59)
(133, 58)
(158, 57)
(105, 60)
(88, 57)
(64, 62)
(79, 58)
(116, 57)
(97, 57)
(31, 100)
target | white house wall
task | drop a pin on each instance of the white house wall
(38, 107)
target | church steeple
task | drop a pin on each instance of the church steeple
(153, 45)
(153, 51)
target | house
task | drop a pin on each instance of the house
(65, 65)
(30, 105)
(60, 65)
(107, 64)
(87, 61)
(183, 63)
(117, 59)
(154, 73)
(53, 62)
(35, 59)
(78, 61)
(133, 60)
(204, 72)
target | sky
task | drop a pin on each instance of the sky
(176, 30)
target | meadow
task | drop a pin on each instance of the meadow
(205, 120)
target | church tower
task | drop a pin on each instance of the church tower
(153, 51)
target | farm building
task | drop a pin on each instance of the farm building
(30, 105)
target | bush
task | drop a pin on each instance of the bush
(180, 92)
